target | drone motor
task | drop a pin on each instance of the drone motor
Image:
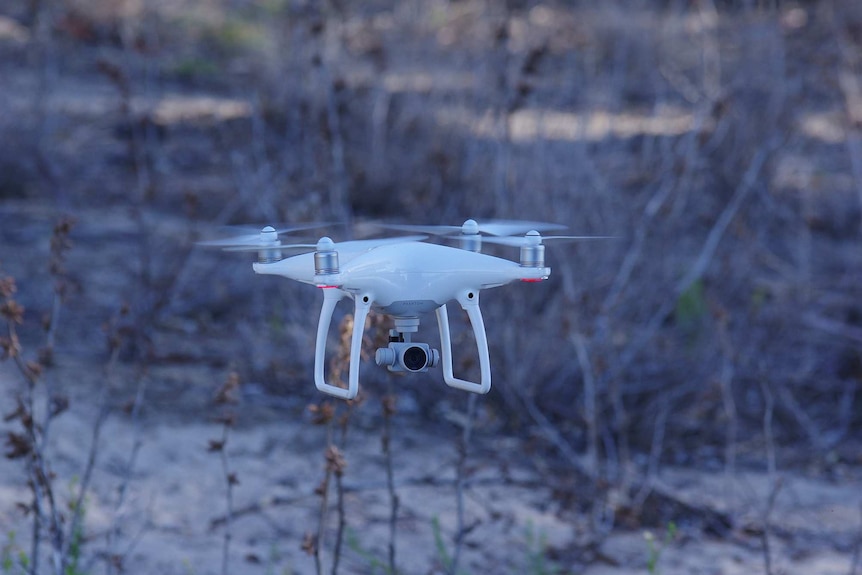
(325, 258)
(532, 251)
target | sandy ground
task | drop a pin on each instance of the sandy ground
(170, 519)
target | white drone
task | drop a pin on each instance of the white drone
(405, 278)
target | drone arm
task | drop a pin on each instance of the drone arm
(470, 303)
(330, 298)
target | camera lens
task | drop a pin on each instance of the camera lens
(415, 358)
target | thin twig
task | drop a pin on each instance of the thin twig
(552, 434)
(857, 547)
(621, 420)
(230, 481)
(323, 491)
(851, 90)
(590, 409)
(811, 428)
(633, 256)
(334, 467)
(394, 502)
(726, 381)
(339, 465)
(460, 474)
(833, 327)
(656, 447)
(767, 518)
(769, 442)
(342, 521)
(37, 428)
(114, 558)
(774, 482)
(704, 258)
(338, 192)
(92, 455)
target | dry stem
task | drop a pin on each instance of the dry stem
(460, 481)
(394, 502)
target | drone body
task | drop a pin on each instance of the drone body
(405, 278)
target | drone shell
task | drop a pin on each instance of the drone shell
(407, 278)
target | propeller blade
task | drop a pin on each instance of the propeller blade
(564, 238)
(236, 241)
(469, 227)
(361, 245)
(266, 236)
(348, 246)
(518, 241)
(431, 230)
(514, 227)
(262, 247)
(280, 228)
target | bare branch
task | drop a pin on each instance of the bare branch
(589, 404)
(704, 258)
(460, 482)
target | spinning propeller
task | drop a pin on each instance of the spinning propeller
(534, 238)
(472, 228)
(505, 232)
(268, 245)
(249, 238)
(266, 241)
(532, 246)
